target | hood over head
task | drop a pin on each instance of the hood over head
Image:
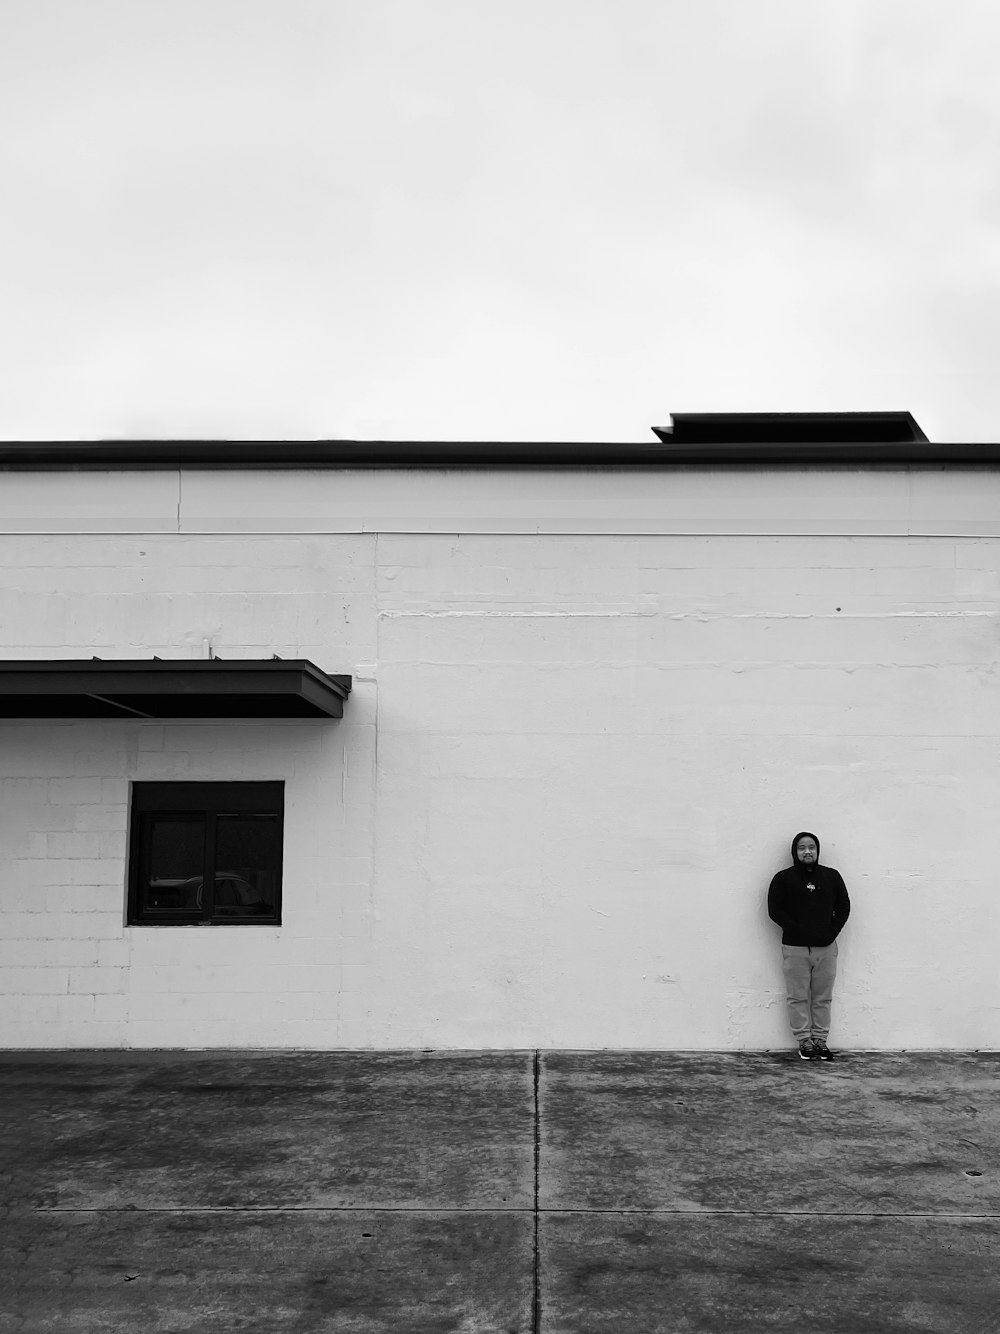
(805, 833)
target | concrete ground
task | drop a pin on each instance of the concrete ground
(505, 1192)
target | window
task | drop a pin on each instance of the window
(205, 854)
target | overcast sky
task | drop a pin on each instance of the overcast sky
(495, 219)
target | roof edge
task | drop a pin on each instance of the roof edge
(669, 450)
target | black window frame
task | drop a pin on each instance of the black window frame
(208, 801)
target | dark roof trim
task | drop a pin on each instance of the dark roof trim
(206, 688)
(833, 454)
(249, 454)
(671, 449)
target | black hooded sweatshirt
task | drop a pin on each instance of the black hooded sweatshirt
(809, 903)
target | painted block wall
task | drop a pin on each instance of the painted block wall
(72, 973)
(581, 735)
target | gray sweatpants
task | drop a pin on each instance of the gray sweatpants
(810, 971)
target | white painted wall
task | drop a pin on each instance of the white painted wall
(590, 710)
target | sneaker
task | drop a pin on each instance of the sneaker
(807, 1050)
(821, 1051)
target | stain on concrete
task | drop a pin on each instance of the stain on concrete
(292, 1130)
(269, 1272)
(705, 1131)
(745, 1275)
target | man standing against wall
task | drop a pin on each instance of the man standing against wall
(810, 904)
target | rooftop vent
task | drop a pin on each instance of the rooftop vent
(735, 428)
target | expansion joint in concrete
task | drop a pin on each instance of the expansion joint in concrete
(366, 1209)
(536, 1299)
(827, 1215)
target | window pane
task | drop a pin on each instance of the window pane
(174, 865)
(247, 862)
(182, 832)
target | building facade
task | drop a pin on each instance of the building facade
(548, 720)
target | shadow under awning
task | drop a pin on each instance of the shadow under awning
(206, 688)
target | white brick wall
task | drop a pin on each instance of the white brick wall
(570, 764)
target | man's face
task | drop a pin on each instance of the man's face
(806, 851)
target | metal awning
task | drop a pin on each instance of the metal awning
(160, 688)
